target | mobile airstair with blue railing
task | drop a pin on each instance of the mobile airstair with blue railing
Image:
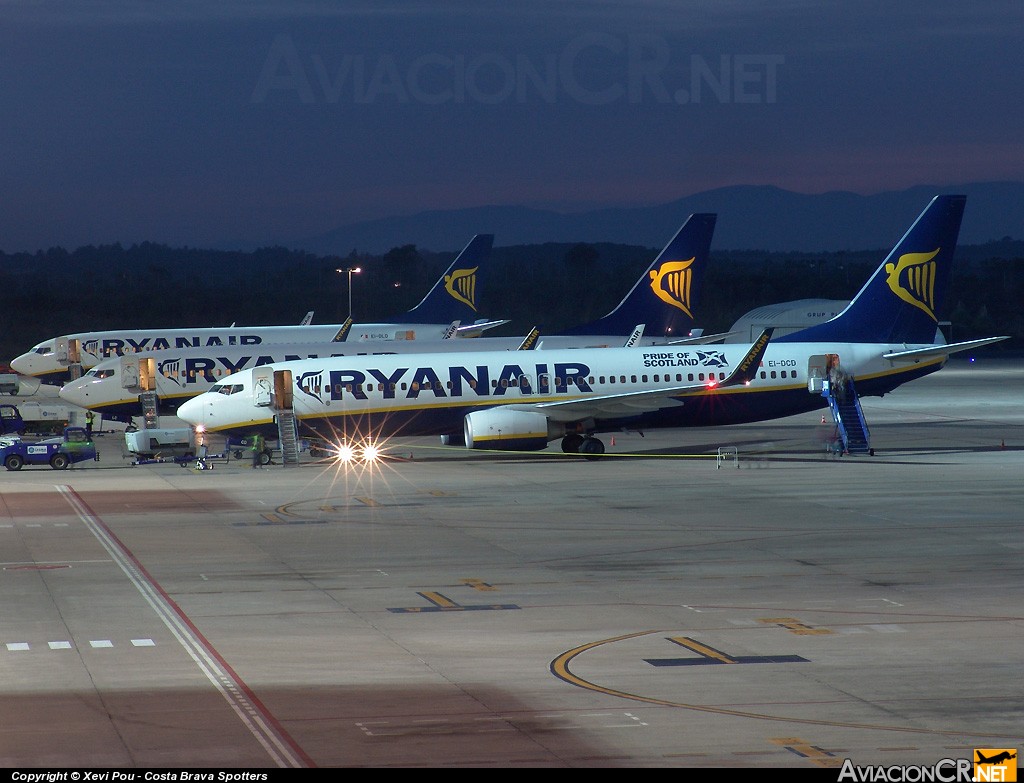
(851, 426)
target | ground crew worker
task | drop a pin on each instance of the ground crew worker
(257, 451)
(88, 423)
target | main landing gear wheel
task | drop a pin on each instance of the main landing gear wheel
(591, 448)
(571, 443)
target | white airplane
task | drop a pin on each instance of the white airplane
(451, 300)
(497, 400)
(663, 297)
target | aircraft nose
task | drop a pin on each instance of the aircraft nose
(74, 393)
(191, 410)
(22, 364)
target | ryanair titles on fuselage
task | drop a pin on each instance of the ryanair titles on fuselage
(483, 380)
(112, 346)
(208, 370)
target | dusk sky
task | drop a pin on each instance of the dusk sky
(240, 123)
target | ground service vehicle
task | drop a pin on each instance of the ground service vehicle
(59, 453)
(11, 422)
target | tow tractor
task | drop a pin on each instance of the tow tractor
(59, 453)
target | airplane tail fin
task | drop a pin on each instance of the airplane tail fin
(901, 301)
(664, 296)
(454, 295)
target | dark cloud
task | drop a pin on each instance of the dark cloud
(244, 123)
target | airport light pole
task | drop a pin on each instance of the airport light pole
(349, 271)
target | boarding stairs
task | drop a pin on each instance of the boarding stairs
(848, 416)
(150, 414)
(288, 437)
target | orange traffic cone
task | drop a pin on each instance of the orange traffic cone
(823, 418)
(613, 440)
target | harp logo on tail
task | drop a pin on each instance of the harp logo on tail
(912, 279)
(671, 283)
(462, 285)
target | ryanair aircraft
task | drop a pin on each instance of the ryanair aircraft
(450, 303)
(523, 401)
(660, 304)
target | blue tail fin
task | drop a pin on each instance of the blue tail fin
(454, 295)
(902, 300)
(664, 296)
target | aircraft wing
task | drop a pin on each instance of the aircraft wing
(629, 403)
(702, 339)
(932, 351)
(473, 330)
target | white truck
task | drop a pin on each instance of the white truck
(161, 443)
(50, 417)
(10, 383)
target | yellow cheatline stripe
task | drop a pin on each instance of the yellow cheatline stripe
(512, 436)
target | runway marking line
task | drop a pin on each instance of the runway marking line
(560, 668)
(260, 722)
(442, 603)
(793, 625)
(709, 655)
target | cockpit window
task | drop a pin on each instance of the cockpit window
(226, 388)
(43, 350)
(100, 374)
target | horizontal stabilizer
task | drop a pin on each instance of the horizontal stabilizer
(940, 350)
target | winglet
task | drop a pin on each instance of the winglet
(307, 319)
(747, 369)
(451, 331)
(529, 342)
(634, 338)
(342, 334)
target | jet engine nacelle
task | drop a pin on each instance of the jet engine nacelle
(506, 430)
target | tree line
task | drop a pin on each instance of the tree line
(552, 286)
